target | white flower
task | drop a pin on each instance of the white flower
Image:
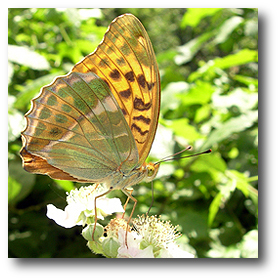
(174, 251)
(67, 218)
(80, 208)
(161, 235)
(132, 248)
(149, 238)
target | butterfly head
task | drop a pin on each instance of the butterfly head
(152, 170)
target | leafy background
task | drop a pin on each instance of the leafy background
(208, 61)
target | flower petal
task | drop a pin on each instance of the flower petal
(174, 251)
(109, 205)
(67, 218)
(132, 250)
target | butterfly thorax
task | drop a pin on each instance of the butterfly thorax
(120, 180)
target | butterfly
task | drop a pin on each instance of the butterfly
(97, 123)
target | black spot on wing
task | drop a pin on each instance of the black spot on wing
(135, 126)
(141, 80)
(130, 76)
(115, 74)
(142, 119)
(139, 105)
(125, 93)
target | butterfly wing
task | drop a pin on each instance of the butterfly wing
(125, 60)
(76, 131)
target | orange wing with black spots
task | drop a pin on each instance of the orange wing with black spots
(126, 61)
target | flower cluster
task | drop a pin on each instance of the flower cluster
(149, 236)
(81, 207)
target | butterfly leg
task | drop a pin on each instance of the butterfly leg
(95, 211)
(124, 207)
(126, 192)
(152, 188)
(93, 190)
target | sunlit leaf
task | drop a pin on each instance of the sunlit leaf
(214, 208)
(243, 100)
(169, 94)
(10, 71)
(199, 93)
(202, 113)
(246, 80)
(182, 128)
(249, 244)
(163, 144)
(242, 57)
(14, 188)
(188, 51)
(67, 186)
(15, 120)
(193, 16)
(26, 56)
(240, 180)
(90, 13)
(231, 126)
(226, 29)
(211, 163)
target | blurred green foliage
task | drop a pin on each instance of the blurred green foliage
(208, 61)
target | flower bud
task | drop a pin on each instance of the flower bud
(88, 230)
(110, 247)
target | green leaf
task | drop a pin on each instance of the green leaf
(241, 57)
(233, 125)
(75, 55)
(67, 186)
(193, 16)
(214, 208)
(202, 113)
(199, 93)
(168, 102)
(14, 188)
(181, 127)
(240, 180)
(193, 221)
(187, 52)
(243, 100)
(227, 28)
(210, 163)
(20, 182)
(10, 72)
(246, 80)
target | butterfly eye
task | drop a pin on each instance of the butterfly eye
(151, 170)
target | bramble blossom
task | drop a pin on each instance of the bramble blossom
(80, 208)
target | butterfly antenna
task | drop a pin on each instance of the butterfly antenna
(173, 157)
